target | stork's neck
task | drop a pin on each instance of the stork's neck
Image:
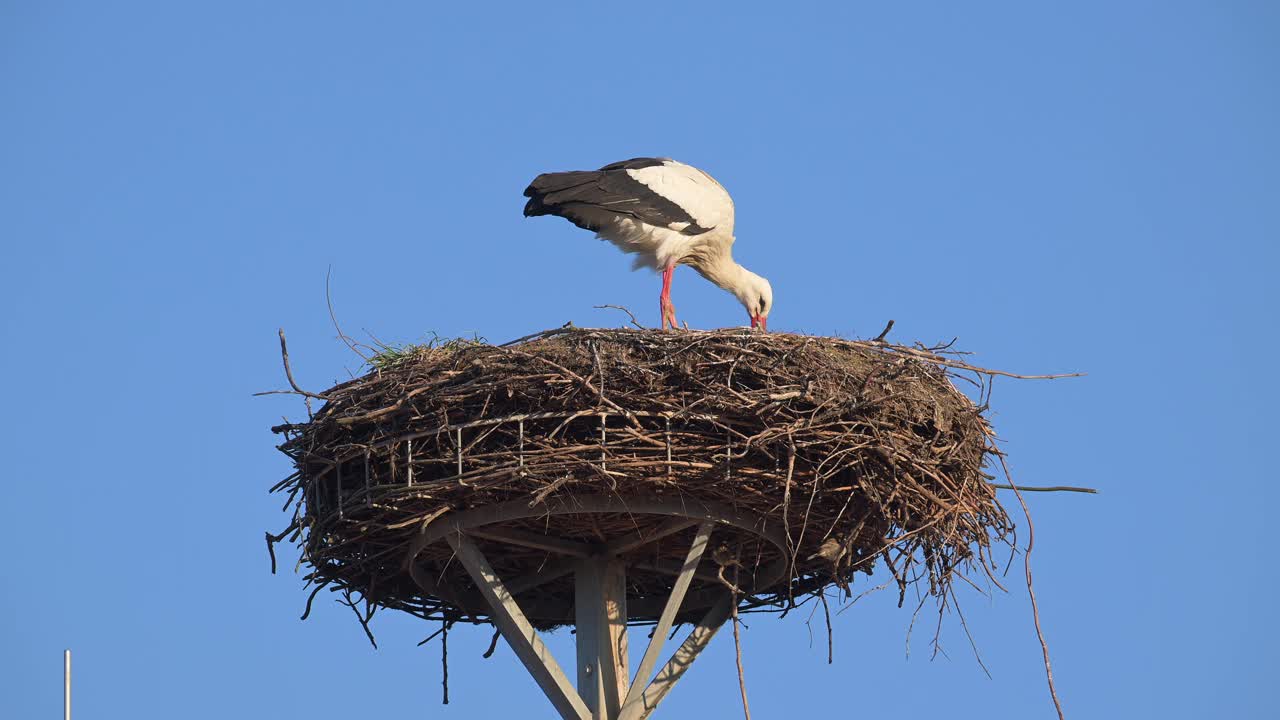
(721, 269)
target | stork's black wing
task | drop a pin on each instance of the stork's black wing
(594, 199)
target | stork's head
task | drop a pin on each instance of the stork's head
(756, 295)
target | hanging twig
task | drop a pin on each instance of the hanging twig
(1035, 608)
(444, 660)
(737, 645)
(273, 539)
(826, 612)
(493, 644)
(364, 618)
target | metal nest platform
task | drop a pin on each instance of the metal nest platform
(602, 477)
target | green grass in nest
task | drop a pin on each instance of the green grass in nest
(389, 356)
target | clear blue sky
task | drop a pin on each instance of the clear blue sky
(1088, 186)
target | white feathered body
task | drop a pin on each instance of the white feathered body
(657, 246)
(663, 212)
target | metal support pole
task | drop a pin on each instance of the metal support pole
(66, 685)
(600, 614)
(604, 691)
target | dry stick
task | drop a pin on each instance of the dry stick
(288, 371)
(826, 611)
(493, 645)
(623, 309)
(786, 498)
(273, 539)
(328, 299)
(1051, 488)
(737, 646)
(307, 611)
(884, 332)
(271, 551)
(430, 637)
(566, 328)
(444, 660)
(1035, 608)
(364, 621)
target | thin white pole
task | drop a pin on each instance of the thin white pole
(66, 685)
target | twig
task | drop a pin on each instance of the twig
(363, 618)
(288, 371)
(328, 299)
(737, 646)
(307, 611)
(884, 332)
(271, 551)
(493, 645)
(430, 637)
(1035, 608)
(1050, 488)
(444, 660)
(273, 539)
(623, 309)
(566, 328)
(826, 612)
(786, 499)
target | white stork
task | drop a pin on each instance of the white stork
(664, 212)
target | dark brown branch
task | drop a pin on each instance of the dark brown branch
(288, 371)
(826, 612)
(1050, 488)
(493, 645)
(362, 617)
(431, 637)
(566, 328)
(884, 332)
(307, 611)
(271, 551)
(444, 661)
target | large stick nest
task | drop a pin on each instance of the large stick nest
(854, 453)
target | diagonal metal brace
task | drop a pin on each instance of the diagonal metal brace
(519, 634)
(669, 612)
(641, 707)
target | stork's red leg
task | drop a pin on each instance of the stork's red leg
(664, 301)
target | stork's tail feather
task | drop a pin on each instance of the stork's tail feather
(551, 183)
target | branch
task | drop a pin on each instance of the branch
(623, 309)
(328, 299)
(1035, 607)
(364, 618)
(1051, 488)
(884, 332)
(737, 646)
(567, 327)
(288, 371)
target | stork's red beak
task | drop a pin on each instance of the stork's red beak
(760, 321)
